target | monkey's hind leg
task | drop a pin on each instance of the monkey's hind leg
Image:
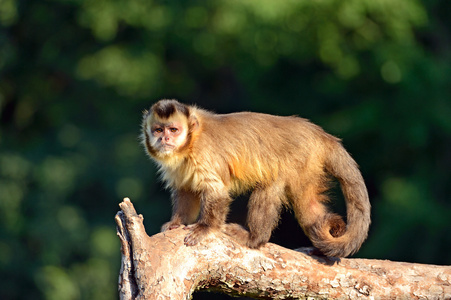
(265, 205)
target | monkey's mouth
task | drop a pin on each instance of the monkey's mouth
(167, 147)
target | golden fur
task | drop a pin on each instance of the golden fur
(282, 160)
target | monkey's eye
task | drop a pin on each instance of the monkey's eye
(158, 130)
(173, 129)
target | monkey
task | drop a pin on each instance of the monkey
(205, 159)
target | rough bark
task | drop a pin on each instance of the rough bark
(162, 267)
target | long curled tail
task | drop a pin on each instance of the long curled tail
(330, 234)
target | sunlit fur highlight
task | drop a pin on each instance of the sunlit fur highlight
(282, 160)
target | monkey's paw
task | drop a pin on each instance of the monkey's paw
(170, 226)
(256, 242)
(196, 234)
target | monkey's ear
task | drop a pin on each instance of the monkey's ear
(194, 123)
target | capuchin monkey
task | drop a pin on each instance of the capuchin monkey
(206, 158)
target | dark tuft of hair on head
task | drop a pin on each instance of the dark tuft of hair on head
(166, 108)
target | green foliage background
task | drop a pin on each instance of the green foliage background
(75, 76)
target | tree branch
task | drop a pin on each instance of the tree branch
(162, 267)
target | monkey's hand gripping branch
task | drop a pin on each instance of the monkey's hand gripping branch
(162, 267)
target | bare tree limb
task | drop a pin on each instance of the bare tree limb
(162, 267)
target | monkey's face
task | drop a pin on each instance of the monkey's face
(167, 137)
(167, 130)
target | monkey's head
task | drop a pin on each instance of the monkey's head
(167, 128)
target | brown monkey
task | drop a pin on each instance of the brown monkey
(205, 158)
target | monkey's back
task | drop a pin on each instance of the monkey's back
(255, 148)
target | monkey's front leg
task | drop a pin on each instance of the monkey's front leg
(213, 213)
(185, 209)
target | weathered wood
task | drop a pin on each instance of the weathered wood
(162, 267)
